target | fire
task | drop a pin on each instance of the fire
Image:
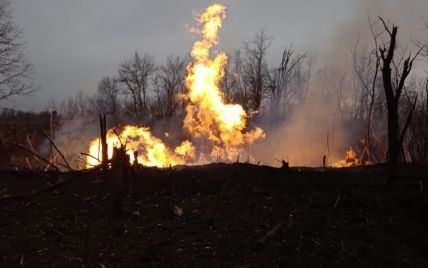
(351, 160)
(219, 127)
(208, 117)
(152, 151)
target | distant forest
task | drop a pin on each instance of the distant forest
(379, 95)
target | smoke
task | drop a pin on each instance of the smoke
(409, 16)
(73, 137)
(302, 138)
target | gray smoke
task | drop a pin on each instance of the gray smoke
(302, 138)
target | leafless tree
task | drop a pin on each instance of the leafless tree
(15, 70)
(135, 74)
(417, 143)
(229, 81)
(51, 105)
(286, 80)
(79, 105)
(366, 65)
(169, 82)
(331, 85)
(108, 90)
(394, 75)
(256, 74)
(241, 93)
(157, 103)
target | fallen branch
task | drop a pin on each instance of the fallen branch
(337, 201)
(36, 155)
(275, 230)
(268, 236)
(58, 150)
(91, 156)
(51, 186)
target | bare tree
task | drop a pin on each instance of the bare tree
(366, 65)
(108, 90)
(281, 80)
(15, 70)
(79, 105)
(135, 74)
(169, 82)
(394, 83)
(332, 84)
(229, 80)
(417, 143)
(256, 74)
(51, 105)
(157, 105)
(241, 94)
(365, 70)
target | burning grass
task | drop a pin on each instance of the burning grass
(351, 160)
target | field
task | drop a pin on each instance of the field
(217, 215)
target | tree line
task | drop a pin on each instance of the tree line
(143, 89)
(379, 92)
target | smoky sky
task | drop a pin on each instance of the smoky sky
(73, 44)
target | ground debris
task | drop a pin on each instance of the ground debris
(237, 215)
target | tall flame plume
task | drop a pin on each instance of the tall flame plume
(219, 128)
(208, 116)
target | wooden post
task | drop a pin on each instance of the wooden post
(53, 124)
(120, 165)
(103, 138)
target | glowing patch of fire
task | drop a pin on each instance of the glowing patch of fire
(152, 151)
(351, 160)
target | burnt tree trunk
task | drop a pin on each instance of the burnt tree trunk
(391, 103)
(393, 92)
(103, 138)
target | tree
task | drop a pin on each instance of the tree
(15, 70)
(365, 72)
(241, 94)
(79, 105)
(366, 69)
(228, 82)
(108, 91)
(135, 74)
(281, 80)
(394, 83)
(169, 82)
(256, 75)
(417, 143)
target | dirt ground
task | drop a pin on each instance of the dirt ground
(217, 215)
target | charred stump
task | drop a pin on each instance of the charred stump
(103, 138)
(120, 165)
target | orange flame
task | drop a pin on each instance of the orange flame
(219, 125)
(153, 152)
(351, 160)
(208, 116)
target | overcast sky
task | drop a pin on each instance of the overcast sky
(74, 43)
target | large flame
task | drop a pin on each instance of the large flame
(219, 127)
(208, 116)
